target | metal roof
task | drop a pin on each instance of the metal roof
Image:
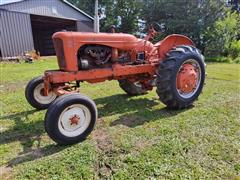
(3, 2)
(65, 1)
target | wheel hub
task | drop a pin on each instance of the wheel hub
(38, 94)
(74, 120)
(187, 78)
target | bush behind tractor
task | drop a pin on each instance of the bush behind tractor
(173, 65)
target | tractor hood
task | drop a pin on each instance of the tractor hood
(67, 45)
(116, 40)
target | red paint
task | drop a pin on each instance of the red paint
(74, 120)
(187, 78)
(67, 45)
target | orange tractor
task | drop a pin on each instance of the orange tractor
(174, 65)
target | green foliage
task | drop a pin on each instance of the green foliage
(212, 26)
(109, 10)
(121, 13)
(234, 49)
(221, 59)
(223, 36)
(190, 18)
(85, 5)
(237, 60)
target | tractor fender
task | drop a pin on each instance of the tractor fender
(171, 41)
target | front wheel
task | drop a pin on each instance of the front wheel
(181, 77)
(34, 94)
(70, 119)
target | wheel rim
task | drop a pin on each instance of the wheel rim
(74, 120)
(39, 96)
(188, 78)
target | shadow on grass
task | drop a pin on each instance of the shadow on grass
(135, 111)
(22, 130)
(29, 135)
(35, 154)
(139, 118)
(122, 103)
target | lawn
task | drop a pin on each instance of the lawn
(135, 137)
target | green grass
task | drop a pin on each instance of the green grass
(135, 137)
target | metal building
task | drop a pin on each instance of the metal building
(29, 24)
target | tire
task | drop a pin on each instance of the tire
(130, 88)
(169, 77)
(34, 96)
(63, 119)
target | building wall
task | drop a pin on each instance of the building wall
(15, 33)
(54, 8)
(84, 26)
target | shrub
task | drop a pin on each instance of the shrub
(219, 59)
(223, 39)
(234, 49)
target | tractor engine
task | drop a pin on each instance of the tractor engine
(99, 56)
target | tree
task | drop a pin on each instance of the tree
(85, 5)
(123, 14)
(190, 18)
(224, 36)
(208, 23)
(225, 31)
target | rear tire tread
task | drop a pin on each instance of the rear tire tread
(165, 76)
(130, 88)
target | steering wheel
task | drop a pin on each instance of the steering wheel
(157, 27)
(153, 30)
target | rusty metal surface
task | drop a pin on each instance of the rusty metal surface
(115, 72)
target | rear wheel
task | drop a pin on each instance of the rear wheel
(34, 94)
(132, 89)
(181, 77)
(70, 119)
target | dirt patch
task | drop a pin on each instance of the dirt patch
(129, 121)
(105, 148)
(11, 87)
(5, 172)
(103, 140)
(104, 170)
(101, 136)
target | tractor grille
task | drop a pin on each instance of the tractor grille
(58, 45)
